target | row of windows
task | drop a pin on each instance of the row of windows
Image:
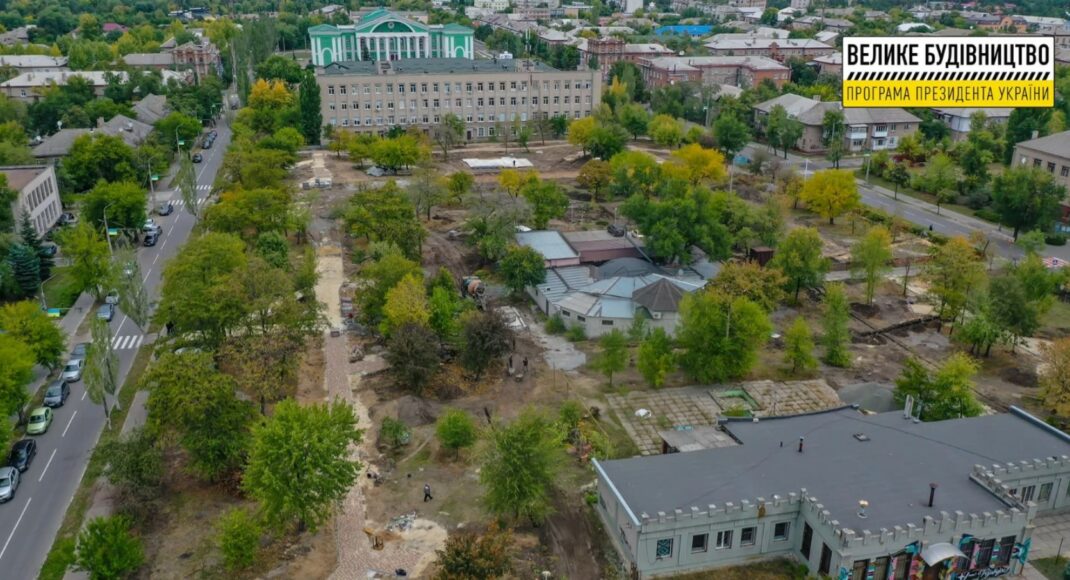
(722, 540)
(426, 119)
(436, 103)
(982, 555)
(39, 194)
(447, 88)
(1064, 172)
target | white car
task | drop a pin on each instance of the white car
(151, 226)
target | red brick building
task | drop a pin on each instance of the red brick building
(737, 71)
(611, 50)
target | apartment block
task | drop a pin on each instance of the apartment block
(38, 194)
(867, 129)
(1051, 153)
(780, 49)
(488, 95)
(736, 71)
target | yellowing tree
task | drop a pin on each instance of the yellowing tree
(698, 164)
(512, 181)
(1055, 377)
(579, 132)
(406, 303)
(830, 193)
(270, 95)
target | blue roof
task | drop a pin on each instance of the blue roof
(689, 29)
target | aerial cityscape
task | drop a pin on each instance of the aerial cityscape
(524, 289)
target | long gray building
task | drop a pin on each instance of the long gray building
(853, 496)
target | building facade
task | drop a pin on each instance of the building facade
(1051, 153)
(607, 51)
(27, 87)
(488, 95)
(780, 49)
(38, 194)
(849, 495)
(958, 119)
(736, 71)
(384, 35)
(867, 129)
(200, 56)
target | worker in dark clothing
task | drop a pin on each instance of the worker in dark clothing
(427, 492)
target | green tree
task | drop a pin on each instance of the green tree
(16, 371)
(606, 140)
(595, 176)
(548, 201)
(946, 393)
(26, 267)
(386, 215)
(448, 133)
(397, 153)
(521, 465)
(953, 271)
(831, 193)
(870, 258)
(101, 375)
(1012, 308)
(799, 347)
(308, 100)
(634, 172)
(378, 278)
(444, 308)
(800, 258)
(299, 465)
(278, 67)
(239, 538)
(456, 430)
(178, 131)
(394, 432)
(122, 203)
(135, 470)
(634, 118)
(485, 338)
(406, 303)
(522, 267)
(720, 335)
(26, 322)
(900, 176)
(413, 356)
(1026, 198)
(31, 240)
(107, 550)
(656, 359)
(468, 556)
(762, 285)
(614, 355)
(666, 131)
(459, 184)
(837, 336)
(833, 129)
(731, 134)
(89, 257)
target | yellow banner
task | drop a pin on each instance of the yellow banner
(957, 93)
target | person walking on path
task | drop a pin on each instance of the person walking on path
(427, 492)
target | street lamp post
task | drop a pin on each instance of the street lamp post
(868, 163)
(107, 231)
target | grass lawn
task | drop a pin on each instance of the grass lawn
(861, 173)
(779, 569)
(1050, 567)
(1056, 323)
(61, 290)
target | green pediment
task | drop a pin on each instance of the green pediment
(323, 29)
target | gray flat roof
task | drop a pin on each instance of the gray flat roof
(550, 243)
(432, 66)
(891, 470)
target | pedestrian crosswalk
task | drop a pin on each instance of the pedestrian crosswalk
(127, 341)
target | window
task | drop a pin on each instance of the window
(984, 553)
(607, 323)
(342, 90)
(1036, 163)
(724, 540)
(746, 536)
(880, 567)
(1045, 492)
(580, 318)
(330, 89)
(664, 549)
(1051, 167)
(1006, 548)
(564, 313)
(1027, 493)
(780, 531)
(700, 543)
(1065, 171)
(826, 561)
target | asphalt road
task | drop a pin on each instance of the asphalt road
(29, 522)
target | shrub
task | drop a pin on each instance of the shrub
(456, 430)
(736, 411)
(107, 549)
(239, 539)
(1057, 239)
(576, 333)
(393, 432)
(554, 325)
(987, 214)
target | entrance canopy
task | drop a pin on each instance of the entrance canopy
(935, 553)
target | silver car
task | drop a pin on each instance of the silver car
(72, 373)
(9, 482)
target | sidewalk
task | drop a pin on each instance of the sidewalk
(950, 215)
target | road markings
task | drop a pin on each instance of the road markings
(15, 527)
(84, 393)
(50, 458)
(65, 431)
(127, 341)
(157, 257)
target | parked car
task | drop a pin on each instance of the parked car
(80, 351)
(112, 297)
(40, 421)
(106, 312)
(22, 454)
(151, 238)
(128, 270)
(57, 394)
(165, 208)
(72, 373)
(150, 226)
(9, 482)
(197, 158)
(67, 219)
(616, 230)
(49, 249)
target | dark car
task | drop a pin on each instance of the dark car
(207, 143)
(151, 238)
(616, 230)
(165, 208)
(49, 249)
(197, 158)
(57, 394)
(22, 454)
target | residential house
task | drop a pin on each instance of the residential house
(958, 119)
(867, 129)
(150, 60)
(151, 108)
(780, 49)
(1051, 153)
(38, 194)
(58, 145)
(738, 71)
(23, 63)
(608, 51)
(20, 35)
(844, 493)
(758, 32)
(829, 64)
(27, 87)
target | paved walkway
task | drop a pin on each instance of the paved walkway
(1051, 530)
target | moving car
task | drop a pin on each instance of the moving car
(57, 394)
(72, 373)
(151, 238)
(165, 208)
(9, 482)
(22, 454)
(40, 421)
(106, 312)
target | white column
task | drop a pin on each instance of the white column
(378, 48)
(408, 46)
(356, 39)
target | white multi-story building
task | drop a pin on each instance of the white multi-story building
(38, 194)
